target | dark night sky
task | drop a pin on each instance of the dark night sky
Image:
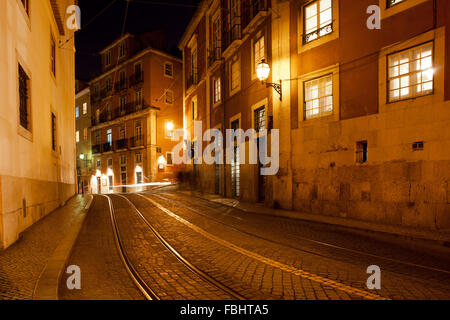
(143, 15)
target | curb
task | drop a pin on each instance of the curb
(439, 238)
(48, 282)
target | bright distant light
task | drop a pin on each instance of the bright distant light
(82, 156)
(263, 71)
(169, 126)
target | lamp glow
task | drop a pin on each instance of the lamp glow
(169, 126)
(263, 70)
(82, 156)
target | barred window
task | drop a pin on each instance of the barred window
(391, 3)
(24, 83)
(53, 55)
(361, 152)
(260, 119)
(318, 20)
(319, 97)
(411, 73)
(54, 132)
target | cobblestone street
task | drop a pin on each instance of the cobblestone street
(178, 247)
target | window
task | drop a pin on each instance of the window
(194, 109)
(318, 20)
(97, 137)
(194, 66)
(361, 152)
(169, 128)
(217, 90)
(235, 73)
(99, 163)
(96, 89)
(139, 178)
(26, 6)
(168, 69)
(391, 3)
(122, 50)
(97, 115)
(216, 35)
(138, 71)
(138, 130)
(139, 97)
(108, 85)
(109, 136)
(411, 73)
(169, 157)
(24, 107)
(77, 112)
(168, 99)
(54, 132)
(108, 58)
(260, 119)
(110, 162)
(85, 134)
(53, 55)
(138, 157)
(318, 97)
(122, 79)
(259, 51)
(122, 133)
(418, 146)
(77, 134)
(122, 104)
(123, 159)
(85, 108)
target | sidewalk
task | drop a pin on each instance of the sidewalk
(435, 237)
(22, 264)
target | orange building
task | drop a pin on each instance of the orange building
(364, 116)
(221, 48)
(136, 106)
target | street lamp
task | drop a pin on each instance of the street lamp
(262, 72)
(169, 126)
(81, 156)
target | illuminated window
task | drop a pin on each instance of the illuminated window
(138, 97)
(168, 69)
(110, 162)
(411, 73)
(77, 135)
(318, 97)
(99, 163)
(85, 133)
(123, 159)
(77, 112)
(217, 90)
(109, 136)
(391, 3)
(24, 106)
(235, 73)
(85, 108)
(318, 20)
(259, 51)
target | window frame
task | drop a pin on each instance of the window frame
(168, 93)
(409, 74)
(54, 132)
(25, 131)
(236, 59)
(167, 63)
(167, 159)
(305, 118)
(217, 91)
(108, 58)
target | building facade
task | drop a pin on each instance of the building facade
(364, 115)
(136, 106)
(37, 169)
(221, 48)
(83, 136)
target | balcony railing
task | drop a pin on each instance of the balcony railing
(136, 79)
(316, 34)
(214, 55)
(252, 8)
(129, 108)
(122, 144)
(119, 86)
(96, 149)
(136, 142)
(107, 147)
(233, 34)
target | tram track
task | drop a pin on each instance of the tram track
(140, 283)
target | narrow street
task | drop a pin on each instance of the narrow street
(167, 245)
